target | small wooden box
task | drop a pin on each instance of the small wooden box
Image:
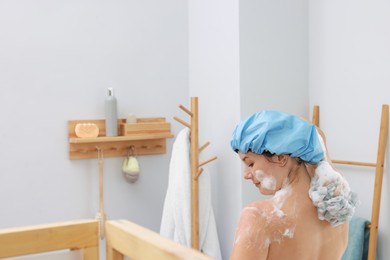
(144, 126)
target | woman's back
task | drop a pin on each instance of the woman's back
(287, 227)
(312, 238)
(286, 157)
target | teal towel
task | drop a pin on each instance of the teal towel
(358, 237)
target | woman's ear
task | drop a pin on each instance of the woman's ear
(281, 159)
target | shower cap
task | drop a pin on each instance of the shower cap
(278, 133)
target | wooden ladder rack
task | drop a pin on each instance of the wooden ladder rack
(379, 166)
(196, 169)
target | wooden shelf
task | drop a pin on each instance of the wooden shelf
(147, 136)
(104, 139)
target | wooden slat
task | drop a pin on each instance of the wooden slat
(354, 163)
(51, 237)
(91, 253)
(145, 129)
(378, 183)
(141, 147)
(105, 139)
(316, 116)
(112, 253)
(125, 238)
(194, 174)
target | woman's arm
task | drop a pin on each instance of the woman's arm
(251, 240)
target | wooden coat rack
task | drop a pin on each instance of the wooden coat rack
(379, 166)
(196, 169)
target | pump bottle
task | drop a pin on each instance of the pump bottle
(111, 114)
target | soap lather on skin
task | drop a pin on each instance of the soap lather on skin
(267, 182)
(279, 225)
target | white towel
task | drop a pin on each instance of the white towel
(176, 217)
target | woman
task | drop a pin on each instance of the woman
(307, 216)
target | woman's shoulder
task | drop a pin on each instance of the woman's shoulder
(259, 203)
(252, 239)
(259, 214)
(256, 213)
(270, 218)
(263, 206)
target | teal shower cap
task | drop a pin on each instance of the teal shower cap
(277, 133)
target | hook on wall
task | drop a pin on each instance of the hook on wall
(131, 151)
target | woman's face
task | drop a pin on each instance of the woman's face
(268, 174)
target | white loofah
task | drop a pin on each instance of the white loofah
(332, 196)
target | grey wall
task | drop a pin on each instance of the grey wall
(339, 54)
(273, 61)
(214, 77)
(57, 59)
(349, 79)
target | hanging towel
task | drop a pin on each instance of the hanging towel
(358, 237)
(176, 217)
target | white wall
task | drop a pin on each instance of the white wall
(350, 79)
(214, 78)
(57, 59)
(339, 52)
(273, 61)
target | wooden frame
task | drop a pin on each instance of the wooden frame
(124, 238)
(379, 167)
(73, 235)
(196, 169)
(128, 239)
(148, 137)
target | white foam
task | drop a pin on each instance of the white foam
(274, 217)
(266, 181)
(288, 232)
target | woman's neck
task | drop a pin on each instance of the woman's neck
(300, 179)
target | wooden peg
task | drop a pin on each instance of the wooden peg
(186, 110)
(354, 163)
(182, 122)
(198, 174)
(207, 161)
(204, 146)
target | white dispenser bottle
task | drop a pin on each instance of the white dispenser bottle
(111, 114)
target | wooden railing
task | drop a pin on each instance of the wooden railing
(73, 235)
(123, 238)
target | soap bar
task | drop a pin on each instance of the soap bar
(83, 130)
